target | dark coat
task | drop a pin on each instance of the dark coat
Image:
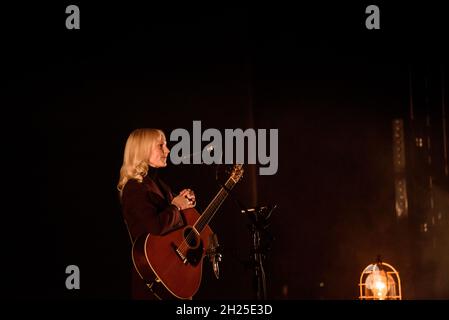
(147, 209)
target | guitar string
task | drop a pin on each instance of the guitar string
(210, 210)
(191, 235)
(208, 214)
(221, 195)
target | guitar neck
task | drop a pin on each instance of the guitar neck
(213, 206)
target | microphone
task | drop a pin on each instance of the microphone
(209, 149)
(256, 209)
(214, 254)
(262, 211)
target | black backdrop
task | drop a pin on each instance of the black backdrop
(330, 86)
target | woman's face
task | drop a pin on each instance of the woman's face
(159, 153)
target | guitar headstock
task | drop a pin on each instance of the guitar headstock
(237, 172)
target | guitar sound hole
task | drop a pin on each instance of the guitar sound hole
(191, 237)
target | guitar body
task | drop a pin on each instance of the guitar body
(171, 264)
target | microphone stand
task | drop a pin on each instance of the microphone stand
(259, 217)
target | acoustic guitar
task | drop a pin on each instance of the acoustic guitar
(171, 264)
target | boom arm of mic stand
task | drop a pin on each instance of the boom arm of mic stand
(259, 220)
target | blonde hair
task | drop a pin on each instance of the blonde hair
(137, 154)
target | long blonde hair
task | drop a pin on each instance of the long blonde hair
(137, 154)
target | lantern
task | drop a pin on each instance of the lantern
(380, 281)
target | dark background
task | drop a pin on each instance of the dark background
(328, 84)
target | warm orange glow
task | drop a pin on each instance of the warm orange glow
(380, 281)
(378, 284)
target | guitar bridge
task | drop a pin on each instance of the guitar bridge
(179, 253)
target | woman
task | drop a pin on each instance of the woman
(148, 204)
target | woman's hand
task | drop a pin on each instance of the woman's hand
(185, 199)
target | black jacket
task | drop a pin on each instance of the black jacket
(147, 209)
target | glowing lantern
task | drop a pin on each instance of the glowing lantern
(380, 281)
